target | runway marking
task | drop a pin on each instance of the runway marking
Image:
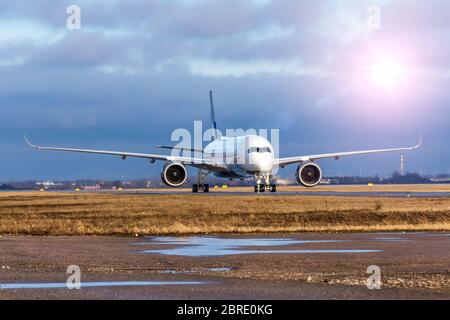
(210, 247)
(173, 271)
(58, 285)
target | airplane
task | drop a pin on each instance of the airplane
(256, 162)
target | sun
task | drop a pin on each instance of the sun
(386, 72)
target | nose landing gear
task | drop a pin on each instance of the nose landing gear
(263, 183)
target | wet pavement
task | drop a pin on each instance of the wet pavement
(282, 266)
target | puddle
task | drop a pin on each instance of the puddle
(62, 285)
(173, 271)
(223, 269)
(392, 239)
(209, 247)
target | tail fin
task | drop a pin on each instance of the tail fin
(213, 115)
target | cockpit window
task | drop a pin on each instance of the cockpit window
(259, 150)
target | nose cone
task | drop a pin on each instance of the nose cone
(263, 162)
(259, 154)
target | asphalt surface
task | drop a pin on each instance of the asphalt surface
(290, 266)
(248, 191)
(294, 193)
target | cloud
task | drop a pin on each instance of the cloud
(138, 69)
(14, 32)
(222, 68)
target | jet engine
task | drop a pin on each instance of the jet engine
(308, 174)
(174, 174)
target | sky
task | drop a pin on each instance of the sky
(330, 75)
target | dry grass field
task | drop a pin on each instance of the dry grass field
(51, 213)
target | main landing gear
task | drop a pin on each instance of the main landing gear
(263, 183)
(200, 186)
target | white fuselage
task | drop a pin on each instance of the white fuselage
(241, 156)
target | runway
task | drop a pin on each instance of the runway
(295, 193)
(266, 266)
(376, 191)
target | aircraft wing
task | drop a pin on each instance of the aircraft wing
(195, 162)
(287, 161)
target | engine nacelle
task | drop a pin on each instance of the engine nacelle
(309, 174)
(174, 174)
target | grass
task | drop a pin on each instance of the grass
(48, 213)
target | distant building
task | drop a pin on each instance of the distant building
(91, 188)
(5, 187)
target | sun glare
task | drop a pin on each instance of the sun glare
(386, 72)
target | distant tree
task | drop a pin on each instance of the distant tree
(409, 178)
(117, 184)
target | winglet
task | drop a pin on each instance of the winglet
(29, 143)
(419, 144)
